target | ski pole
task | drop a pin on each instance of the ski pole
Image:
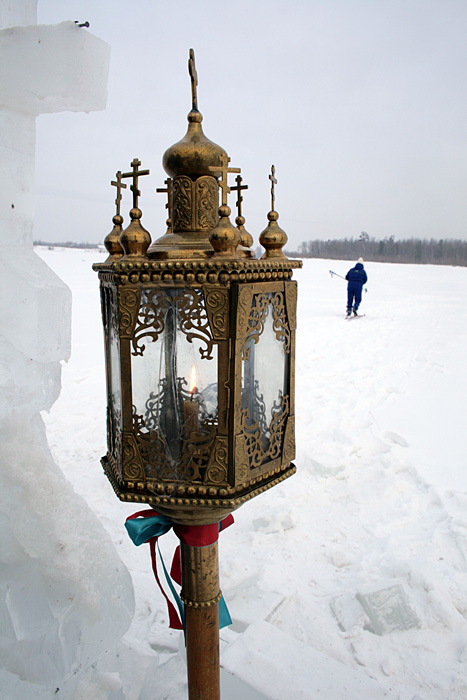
(332, 273)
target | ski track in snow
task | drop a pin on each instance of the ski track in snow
(381, 488)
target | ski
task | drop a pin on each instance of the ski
(349, 318)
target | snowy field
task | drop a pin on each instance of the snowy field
(349, 580)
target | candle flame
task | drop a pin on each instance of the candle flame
(193, 380)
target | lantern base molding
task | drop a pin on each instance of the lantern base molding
(194, 510)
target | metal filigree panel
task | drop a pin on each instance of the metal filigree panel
(261, 305)
(265, 445)
(191, 464)
(188, 306)
(265, 340)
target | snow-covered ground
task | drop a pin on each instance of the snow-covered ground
(348, 580)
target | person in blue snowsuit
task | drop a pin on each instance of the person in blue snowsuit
(356, 278)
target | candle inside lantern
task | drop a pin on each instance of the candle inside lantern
(191, 407)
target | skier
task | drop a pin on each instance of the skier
(356, 278)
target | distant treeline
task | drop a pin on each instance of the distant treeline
(67, 244)
(407, 250)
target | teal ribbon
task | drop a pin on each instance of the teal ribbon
(141, 530)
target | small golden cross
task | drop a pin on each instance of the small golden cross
(224, 168)
(119, 185)
(168, 189)
(194, 79)
(238, 189)
(135, 174)
(272, 177)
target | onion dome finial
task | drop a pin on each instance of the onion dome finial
(111, 241)
(135, 240)
(273, 238)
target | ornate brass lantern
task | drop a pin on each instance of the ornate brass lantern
(199, 341)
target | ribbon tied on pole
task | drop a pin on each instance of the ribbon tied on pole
(146, 526)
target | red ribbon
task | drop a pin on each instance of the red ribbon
(195, 536)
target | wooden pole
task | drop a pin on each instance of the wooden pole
(201, 594)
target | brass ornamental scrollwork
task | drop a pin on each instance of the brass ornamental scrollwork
(280, 321)
(291, 303)
(241, 458)
(206, 203)
(277, 427)
(259, 447)
(129, 300)
(195, 203)
(152, 447)
(253, 440)
(132, 466)
(196, 454)
(151, 319)
(259, 308)
(217, 307)
(245, 296)
(256, 318)
(192, 317)
(218, 462)
(289, 440)
(194, 321)
(182, 212)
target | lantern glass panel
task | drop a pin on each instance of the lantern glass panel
(265, 368)
(174, 374)
(114, 377)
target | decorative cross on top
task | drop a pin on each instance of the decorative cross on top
(194, 79)
(168, 189)
(135, 174)
(224, 168)
(119, 185)
(238, 189)
(272, 177)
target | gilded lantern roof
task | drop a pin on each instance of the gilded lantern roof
(194, 154)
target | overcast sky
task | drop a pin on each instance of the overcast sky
(361, 106)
